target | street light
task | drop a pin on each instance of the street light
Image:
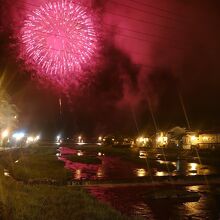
(79, 139)
(5, 133)
(18, 136)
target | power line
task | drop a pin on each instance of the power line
(142, 21)
(146, 34)
(145, 40)
(127, 36)
(144, 11)
(127, 29)
(139, 32)
(128, 17)
(154, 7)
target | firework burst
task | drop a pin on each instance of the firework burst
(59, 41)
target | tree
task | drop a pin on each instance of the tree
(8, 112)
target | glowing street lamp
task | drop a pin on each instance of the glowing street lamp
(37, 138)
(162, 140)
(142, 141)
(79, 139)
(18, 136)
(5, 133)
(194, 139)
(30, 139)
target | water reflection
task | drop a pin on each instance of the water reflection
(134, 203)
(110, 168)
(191, 169)
(143, 210)
(163, 162)
(140, 172)
(6, 172)
(161, 173)
(100, 173)
(79, 153)
(142, 154)
(78, 175)
(117, 168)
(193, 188)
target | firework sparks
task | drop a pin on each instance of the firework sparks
(59, 40)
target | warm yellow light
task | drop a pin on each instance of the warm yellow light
(162, 139)
(193, 166)
(37, 138)
(161, 173)
(142, 140)
(78, 174)
(140, 172)
(205, 138)
(5, 133)
(146, 139)
(193, 138)
(100, 138)
(100, 172)
(30, 139)
(159, 139)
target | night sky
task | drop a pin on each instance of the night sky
(154, 55)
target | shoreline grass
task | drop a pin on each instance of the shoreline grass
(23, 201)
(34, 163)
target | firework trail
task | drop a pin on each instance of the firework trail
(59, 40)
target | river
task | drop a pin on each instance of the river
(131, 200)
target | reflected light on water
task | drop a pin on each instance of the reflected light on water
(100, 172)
(193, 166)
(193, 188)
(142, 209)
(192, 174)
(6, 173)
(140, 172)
(161, 173)
(79, 153)
(192, 169)
(142, 154)
(162, 161)
(174, 163)
(78, 174)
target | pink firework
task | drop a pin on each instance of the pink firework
(59, 40)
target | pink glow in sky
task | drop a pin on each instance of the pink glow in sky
(59, 41)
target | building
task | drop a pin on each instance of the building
(161, 140)
(201, 140)
(209, 140)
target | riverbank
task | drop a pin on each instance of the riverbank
(25, 201)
